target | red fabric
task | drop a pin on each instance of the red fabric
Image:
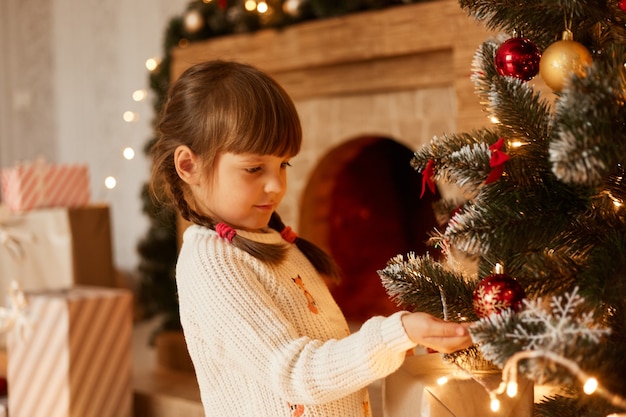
(497, 161)
(225, 231)
(427, 178)
(288, 234)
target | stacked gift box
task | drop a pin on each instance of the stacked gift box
(71, 354)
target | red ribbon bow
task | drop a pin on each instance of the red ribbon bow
(498, 158)
(428, 178)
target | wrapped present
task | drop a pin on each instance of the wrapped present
(56, 248)
(39, 184)
(74, 359)
(416, 390)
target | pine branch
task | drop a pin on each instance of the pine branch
(563, 328)
(422, 284)
(543, 21)
(588, 143)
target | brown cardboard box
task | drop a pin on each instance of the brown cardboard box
(413, 391)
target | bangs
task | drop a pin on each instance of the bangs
(265, 119)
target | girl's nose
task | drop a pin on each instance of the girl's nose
(276, 183)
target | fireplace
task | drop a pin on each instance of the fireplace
(370, 88)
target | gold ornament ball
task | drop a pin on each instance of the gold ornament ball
(562, 59)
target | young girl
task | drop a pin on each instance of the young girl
(264, 333)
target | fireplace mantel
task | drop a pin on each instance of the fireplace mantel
(398, 48)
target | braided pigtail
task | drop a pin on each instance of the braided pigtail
(266, 252)
(323, 263)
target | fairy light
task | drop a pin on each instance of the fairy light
(494, 120)
(517, 143)
(152, 64)
(442, 381)
(511, 389)
(494, 404)
(250, 5)
(591, 385)
(262, 7)
(130, 116)
(139, 95)
(110, 182)
(128, 153)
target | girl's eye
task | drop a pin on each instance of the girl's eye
(253, 170)
(285, 165)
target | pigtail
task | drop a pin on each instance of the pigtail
(323, 263)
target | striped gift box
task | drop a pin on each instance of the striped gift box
(38, 185)
(75, 358)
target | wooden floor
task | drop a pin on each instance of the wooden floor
(160, 392)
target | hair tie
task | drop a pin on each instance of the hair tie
(225, 231)
(288, 234)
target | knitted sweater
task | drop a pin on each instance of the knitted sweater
(269, 340)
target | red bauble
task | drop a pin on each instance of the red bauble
(622, 5)
(518, 57)
(496, 293)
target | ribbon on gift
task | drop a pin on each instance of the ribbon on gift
(496, 162)
(14, 317)
(428, 178)
(10, 237)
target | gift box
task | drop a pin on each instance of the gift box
(56, 248)
(415, 390)
(39, 184)
(74, 358)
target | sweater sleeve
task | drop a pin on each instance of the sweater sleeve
(232, 324)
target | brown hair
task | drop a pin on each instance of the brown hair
(220, 106)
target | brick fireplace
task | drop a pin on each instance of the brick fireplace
(370, 88)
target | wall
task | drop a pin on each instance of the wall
(67, 72)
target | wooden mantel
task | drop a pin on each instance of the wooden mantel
(402, 47)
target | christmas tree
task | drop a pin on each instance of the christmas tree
(534, 253)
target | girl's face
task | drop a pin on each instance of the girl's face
(244, 189)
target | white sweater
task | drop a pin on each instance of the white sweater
(270, 340)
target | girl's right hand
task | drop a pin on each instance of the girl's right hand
(432, 332)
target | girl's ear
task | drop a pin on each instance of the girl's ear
(187, 165)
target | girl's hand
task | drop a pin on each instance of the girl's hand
(437, 334)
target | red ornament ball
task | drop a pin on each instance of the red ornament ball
(519, 58)
(496, 293)
(622, 5)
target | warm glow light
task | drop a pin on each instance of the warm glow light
(511, 389)
(617, 203)
(590, 386)
(152, 63)
(495, 405)
(262, 7)
(130, 116)
(206, 1)
(494, 120)
(110, 182)
(516, 143)
(129, 153)
(250, 5)
(442, 381)
(139, 95)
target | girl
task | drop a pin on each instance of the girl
(264, 333)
